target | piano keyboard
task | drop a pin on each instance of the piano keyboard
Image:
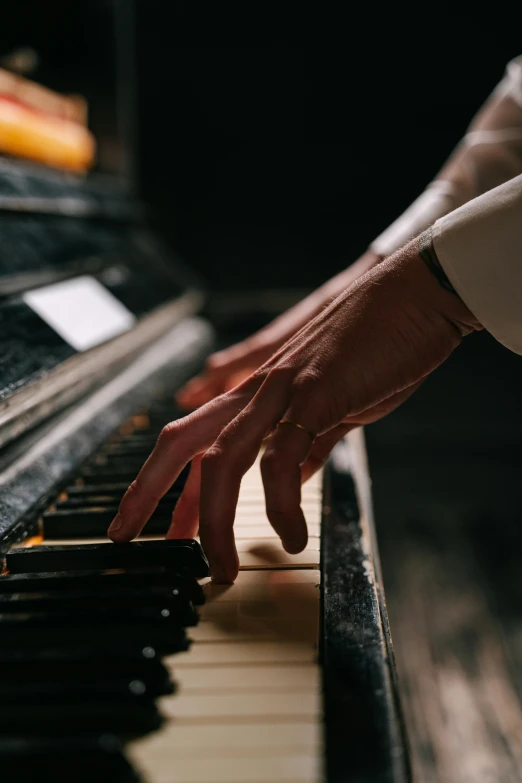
(245, 702)
(249, 688)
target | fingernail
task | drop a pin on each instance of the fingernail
(116, 523)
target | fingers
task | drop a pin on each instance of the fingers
(324, 444)
(223, 371)
(287, 450)
(177, 444)
(199, 390)
(185, 519)
(225, 464)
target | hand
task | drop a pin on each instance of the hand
(356, 361)
(228, 368)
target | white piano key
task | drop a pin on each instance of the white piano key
(268, 554)
(231, 739)
(204, 707)
(265, 768)
(215, 679)
(247, 653)
(267, 531)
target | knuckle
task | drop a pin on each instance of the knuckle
(170, 431)
(270, 462)
(281, 373)
(212, 460)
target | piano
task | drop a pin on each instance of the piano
(125, 662)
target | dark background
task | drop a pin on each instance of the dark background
(294, 138)
(273, 143)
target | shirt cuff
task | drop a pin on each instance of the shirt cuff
(437, 200)
(479, 246)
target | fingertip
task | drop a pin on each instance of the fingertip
(117, 532)
(295, 545)
(223, 575)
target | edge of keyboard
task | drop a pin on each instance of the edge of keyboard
(365, 737)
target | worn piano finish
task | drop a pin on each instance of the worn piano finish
(365, 738)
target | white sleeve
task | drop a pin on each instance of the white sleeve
(479, 246)
(490, 153)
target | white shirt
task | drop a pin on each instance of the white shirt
(476, 205)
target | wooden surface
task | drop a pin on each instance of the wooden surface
(447, 490)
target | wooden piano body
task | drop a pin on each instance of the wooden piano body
(291, 675)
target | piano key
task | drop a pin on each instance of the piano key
(132, 446)
(91, 476)
(294, 768)
(62, 692)
(102, 584)
(84, 522)
(247, 654)
(87, 499)
(263, 623)
(203, 707)
(175, 553)
(42, 720)
(99, 474)
(227, 679)
(80, 759)
(116, 462)
(264, 585)
(230, 739)
(80, 490)
(133, 604)
(264, 554)
(265, 530)
(48, 630)
(69, 664)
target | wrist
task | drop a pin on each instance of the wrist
(435, 286)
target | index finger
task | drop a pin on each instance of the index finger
(177, 444)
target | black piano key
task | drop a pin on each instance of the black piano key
(177, 554)
(176, 602)
(179, 611)
(142, 447)
(103, 584)
(88, 500)
(48, 720)
(95, 476)
(100, 632)
(94, 522)
(79, 490)
(101, 474)
(82, 759)
(66, 692)
(70, 665)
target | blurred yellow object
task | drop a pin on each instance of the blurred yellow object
(28, 133)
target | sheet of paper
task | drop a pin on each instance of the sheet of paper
(82, 311)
